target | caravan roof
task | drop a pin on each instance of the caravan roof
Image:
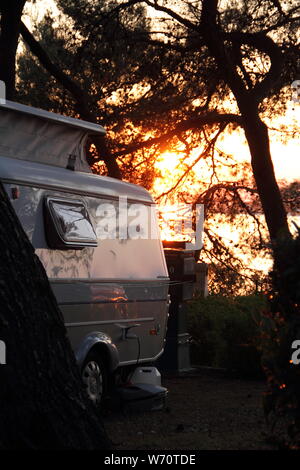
(52, 117)
(35, 147)
(36, 135)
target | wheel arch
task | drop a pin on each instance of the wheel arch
(102, 343)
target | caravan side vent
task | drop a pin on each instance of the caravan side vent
(67, 224)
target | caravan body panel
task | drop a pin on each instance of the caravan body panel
(99, 289)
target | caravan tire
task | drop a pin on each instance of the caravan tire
(94, 376)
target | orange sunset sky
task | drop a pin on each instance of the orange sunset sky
(286, 156)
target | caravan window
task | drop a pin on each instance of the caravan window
(67, 224)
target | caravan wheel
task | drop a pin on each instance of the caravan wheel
(94, 377)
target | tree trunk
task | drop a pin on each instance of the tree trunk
(43, 401)
(11, 11)
(256, 131)
(258, 141)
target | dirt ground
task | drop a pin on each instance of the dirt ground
(204, 411)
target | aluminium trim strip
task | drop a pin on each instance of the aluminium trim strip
(74, 191)
(121, 301)
(159, 281)
(109, 322)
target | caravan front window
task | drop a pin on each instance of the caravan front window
(68, 224)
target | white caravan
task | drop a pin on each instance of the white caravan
(97, 238)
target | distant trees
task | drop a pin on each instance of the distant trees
(175, 84)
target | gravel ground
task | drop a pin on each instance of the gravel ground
(205, 411)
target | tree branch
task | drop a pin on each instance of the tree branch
(173, 14)
(210, 146)
(215, 42)
(263, 43)
(209, 118)
(80, 96)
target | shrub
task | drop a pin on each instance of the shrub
(225, 333)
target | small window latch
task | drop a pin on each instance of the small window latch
(71, 162)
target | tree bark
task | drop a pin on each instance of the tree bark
(258, 141)
(43, 401)
(11, 11)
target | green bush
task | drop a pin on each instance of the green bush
(225, 333)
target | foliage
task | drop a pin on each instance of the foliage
(281, 327)
(146, 79)
(225, 332)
